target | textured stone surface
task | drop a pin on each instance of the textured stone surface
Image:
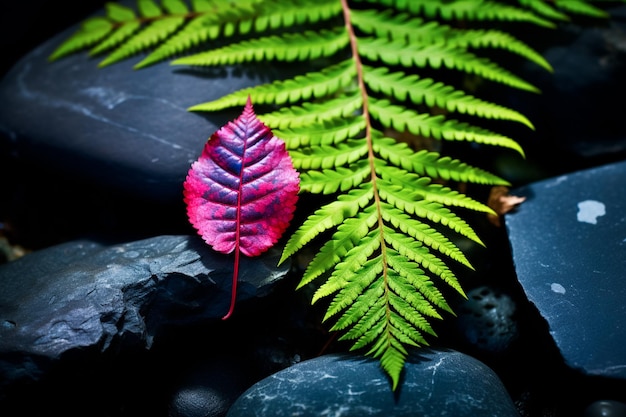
(436, 383)
(85, 295)
(210, 388)
(569, 248)
(487, 320)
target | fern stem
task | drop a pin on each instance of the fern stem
(370, 154)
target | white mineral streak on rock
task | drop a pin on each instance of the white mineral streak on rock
(557, 288)
(589, 211)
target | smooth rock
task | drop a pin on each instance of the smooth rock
(435, 383)
(568, 242)
(210, 388)
(83, 295)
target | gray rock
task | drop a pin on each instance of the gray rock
(435, 383)
(210, 388)
(120, 127)
(83, 294)
(569, 248)
(487, 320)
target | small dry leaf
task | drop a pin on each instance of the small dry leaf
(501, 202)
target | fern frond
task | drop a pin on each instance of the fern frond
(327, 133)
(91, 31)
(436, 56)
(411, 203)
(422, 232)
(327, 217)
(309, 113)
(542, 8)
(289, 47)
(465, 10)
(416, 254)
(123, 32)
(326, 157)
(361, 243)
(330, 181)
(432, 164)
(303, 87)
(351, 233)
(367, 310)
(402, 119)
(151, 35)
(500, 40)
(435, 94)
(401, 26)
(581, 7)
(413, 30)
(431, 192)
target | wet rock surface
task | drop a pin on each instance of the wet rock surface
(83, 295)
(435, 383)
(569, 249)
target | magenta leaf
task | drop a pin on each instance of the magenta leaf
(242, 191)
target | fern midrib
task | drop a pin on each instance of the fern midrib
(372, 163)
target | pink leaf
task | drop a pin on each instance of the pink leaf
(242, 191)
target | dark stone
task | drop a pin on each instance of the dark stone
(435, 383)
(129, 129)
(83, 295)
(568, 242)
(606, 408)
(210, 388)
(577, 115)
(486, 320)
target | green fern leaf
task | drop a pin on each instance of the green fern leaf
(126, 24)
(326, 157)
(581, 7)
(151, 35)
(435, 94)
(416, 254)
(290, 47)
(330, 181)
(327, 133)
(432, 164)
(303, 87)
(465, 10)
(401, 119)
(497, 39)
(411, 203)
(422, 232)
(544, 9)
(91, 31)
(432, 192)
(311, 113)
(401, 26)
(327, 217)
(414, 30)
(436, 56)
(354, 233)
